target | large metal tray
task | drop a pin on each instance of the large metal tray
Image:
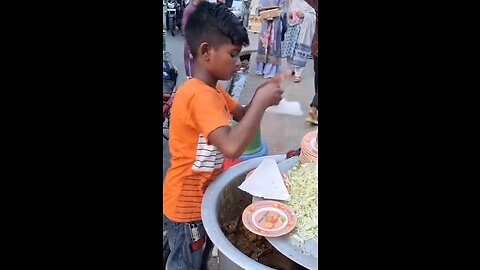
(303, 254)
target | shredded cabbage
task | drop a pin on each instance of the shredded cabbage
(303, 183)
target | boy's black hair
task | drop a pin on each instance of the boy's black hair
(214, 23)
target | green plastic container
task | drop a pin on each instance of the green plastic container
(256, 144)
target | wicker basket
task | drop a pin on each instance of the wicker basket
(254, 24)
(270, 13)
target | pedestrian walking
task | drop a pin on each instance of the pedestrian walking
(297, 46)
(270, 42)
(313, 118)
(187, 56)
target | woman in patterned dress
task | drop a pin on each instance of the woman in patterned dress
(298, 39)
(269, 44)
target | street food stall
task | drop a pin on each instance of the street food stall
(257, 231)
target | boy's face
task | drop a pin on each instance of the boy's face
(224, 61)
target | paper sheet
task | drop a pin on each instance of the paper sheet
(287, 107)
(266, 182)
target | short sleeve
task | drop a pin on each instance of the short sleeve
(231, 103)
(209, 111)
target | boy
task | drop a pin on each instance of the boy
(200, 132)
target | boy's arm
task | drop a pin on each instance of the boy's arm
(237, 110)
(232, 141)
(240, 110)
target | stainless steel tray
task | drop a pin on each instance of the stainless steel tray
(304, 254)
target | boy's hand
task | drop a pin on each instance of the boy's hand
(269, 93)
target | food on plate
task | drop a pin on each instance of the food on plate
(268, 225)
(273, 218)
(270, 218)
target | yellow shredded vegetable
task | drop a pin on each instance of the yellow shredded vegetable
(303, 183)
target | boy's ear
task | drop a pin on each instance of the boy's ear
(205, 51)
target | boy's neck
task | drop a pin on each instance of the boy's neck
(206, 78)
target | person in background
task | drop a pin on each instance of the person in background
(313, 118)
(269, 43)
(299, 36)
(187, 57)
(200, 133)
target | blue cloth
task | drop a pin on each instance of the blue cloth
(291, 36)
(300, 57)
(268, 70)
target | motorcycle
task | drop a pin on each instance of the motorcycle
(170, 75)
(174, 15)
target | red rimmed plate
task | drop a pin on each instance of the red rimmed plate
(269, 218)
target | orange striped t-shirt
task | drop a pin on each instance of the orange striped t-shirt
(197, 110)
